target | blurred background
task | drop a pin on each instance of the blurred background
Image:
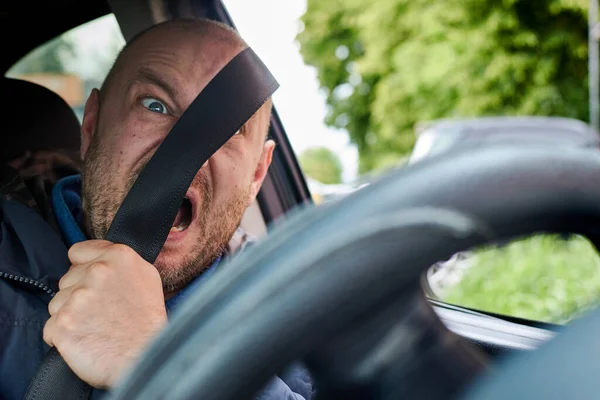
(367, 86)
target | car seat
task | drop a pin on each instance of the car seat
(40, 140)
(35, 119)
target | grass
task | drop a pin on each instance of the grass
(542, 278)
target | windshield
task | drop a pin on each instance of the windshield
(365, 82)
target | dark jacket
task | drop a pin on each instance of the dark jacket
(33, 257)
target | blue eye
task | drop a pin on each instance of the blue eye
(154, 105)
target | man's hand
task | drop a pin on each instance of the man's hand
(109, 307)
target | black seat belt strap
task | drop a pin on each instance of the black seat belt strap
(145, 217)
(54, 380)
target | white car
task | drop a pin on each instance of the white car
(439, 136)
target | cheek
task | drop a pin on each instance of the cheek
(129, 146)
(231, 171)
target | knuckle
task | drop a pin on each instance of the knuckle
(63, 282)
(65, 322)
(123, 250)
(73, 250)
(80, 295)
(53, 307)
(125, 254)
(47, 335)
(98, 271)
(97, 268)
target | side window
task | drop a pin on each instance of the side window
(549, 278)
(75, 62)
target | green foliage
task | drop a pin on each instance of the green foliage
(388, 64)
(321, 164)
(49, 58)
(541, 278)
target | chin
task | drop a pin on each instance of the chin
(168, 263)
(177, 254)
(181, 258)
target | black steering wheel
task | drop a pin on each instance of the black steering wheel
(337, 286)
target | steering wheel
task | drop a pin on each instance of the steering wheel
(337, 285)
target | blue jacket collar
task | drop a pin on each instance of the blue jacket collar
(66, 205)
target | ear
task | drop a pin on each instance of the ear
(261, 170)
(90, 121)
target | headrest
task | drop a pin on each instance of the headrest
(33, 119)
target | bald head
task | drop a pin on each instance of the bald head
(216, 37)
(152, 83)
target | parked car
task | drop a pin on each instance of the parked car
(439, 136)
(322, 193)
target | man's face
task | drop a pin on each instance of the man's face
(158, 78)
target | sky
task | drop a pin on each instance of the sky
(270, 28)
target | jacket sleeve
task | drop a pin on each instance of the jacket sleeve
(277, 389)
(295, 383)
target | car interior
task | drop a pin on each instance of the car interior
(54, 136)
(392, 346)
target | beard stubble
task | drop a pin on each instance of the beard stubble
(102, 195)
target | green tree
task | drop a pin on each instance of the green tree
(321, 164)
(388, 64)
(49, 58)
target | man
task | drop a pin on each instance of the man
(111, 303)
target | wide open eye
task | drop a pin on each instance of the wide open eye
(155, 105)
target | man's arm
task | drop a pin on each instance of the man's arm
(109, 308)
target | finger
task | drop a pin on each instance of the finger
(59, 300)
(73, 276)
(48, 332)
(87, 251)
(119, 254)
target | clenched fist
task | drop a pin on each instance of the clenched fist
(110, 305)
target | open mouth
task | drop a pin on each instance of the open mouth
(184, 216)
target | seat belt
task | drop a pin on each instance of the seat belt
(145, 217)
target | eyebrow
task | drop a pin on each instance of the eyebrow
(146, 75)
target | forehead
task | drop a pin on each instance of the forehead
(183, 59)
